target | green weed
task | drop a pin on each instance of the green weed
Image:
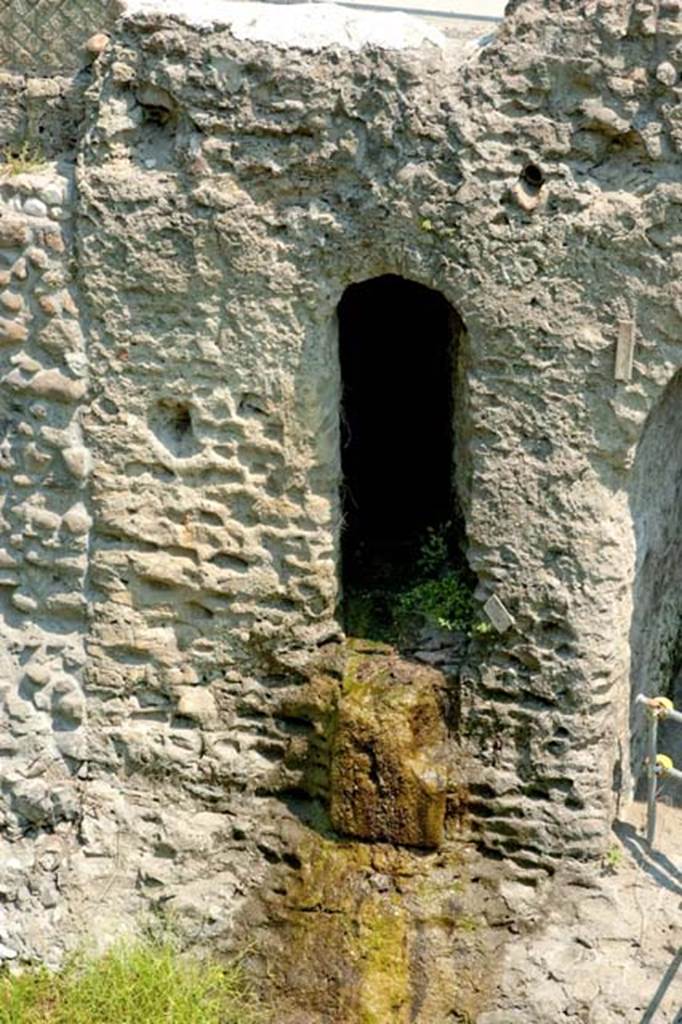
(436, 589)
(21, 159)
(139, 983)
(612, 859)
(467, 923)
(446, 602)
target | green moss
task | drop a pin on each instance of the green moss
(467, 923)
(360, 936)
(382, 946)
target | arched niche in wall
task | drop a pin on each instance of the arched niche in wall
(656, 506)
(398, 353)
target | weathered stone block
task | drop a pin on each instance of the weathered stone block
(387, 767)
(14, 232)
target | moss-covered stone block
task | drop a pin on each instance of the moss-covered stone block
(387, 775)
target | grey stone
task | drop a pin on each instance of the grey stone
(35, 208)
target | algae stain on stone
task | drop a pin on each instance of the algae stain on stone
(346, 944)
(383, 946)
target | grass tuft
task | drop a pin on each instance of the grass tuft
(21, 159)
(140, 983)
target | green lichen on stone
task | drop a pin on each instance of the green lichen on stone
(382, 944)
(346, 949)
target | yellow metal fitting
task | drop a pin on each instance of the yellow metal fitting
(661, 705)
(664, 763)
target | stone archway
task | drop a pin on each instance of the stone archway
(397, 344)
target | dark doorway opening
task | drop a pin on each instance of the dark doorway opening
(397, 350)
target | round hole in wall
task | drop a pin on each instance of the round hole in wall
(533, 177)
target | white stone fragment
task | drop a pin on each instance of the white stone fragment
(666, 73)
(625, 351)
(77, 519)
(53, 195)
(35, 208)
(78, 461)
(97, 44)
(6, 953)
(24, 603)
(53, 384)
(196, 703)
(304, 26)
(498, 614)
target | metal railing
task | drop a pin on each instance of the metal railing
(44, 37)
(658, 766)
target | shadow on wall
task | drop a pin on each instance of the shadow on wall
(656, 507)
(665, 984)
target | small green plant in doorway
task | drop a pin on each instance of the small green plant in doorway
(433, 587)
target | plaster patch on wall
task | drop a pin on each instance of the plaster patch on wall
(305, 26)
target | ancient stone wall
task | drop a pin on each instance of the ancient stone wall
(172, 514)
(40, 117)
(45, 519)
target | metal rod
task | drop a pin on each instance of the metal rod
(672, 716)
(652, 778)
(672, 773)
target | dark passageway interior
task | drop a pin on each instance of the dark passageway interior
(396, 350)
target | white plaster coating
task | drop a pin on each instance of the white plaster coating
(305, 26)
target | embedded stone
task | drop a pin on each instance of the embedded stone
(35, 208)
(498, 614)
(12, 301)
(69, 705)
(666, 73)
(38, 257)
(78, 461)
(73, 744)
(24, 603)
(97, 43)
(39, 674)
(19, 269)
(54, 194)
(53, 240)
(77, 520)
(48, 304)
(14, 232)
(197, 703)
(12, 332)
(54, 384)
(31, 801)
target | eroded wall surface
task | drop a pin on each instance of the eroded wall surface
(172, 392)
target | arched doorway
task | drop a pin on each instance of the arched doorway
(397, 342)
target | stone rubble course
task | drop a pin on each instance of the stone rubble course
(171, 733)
